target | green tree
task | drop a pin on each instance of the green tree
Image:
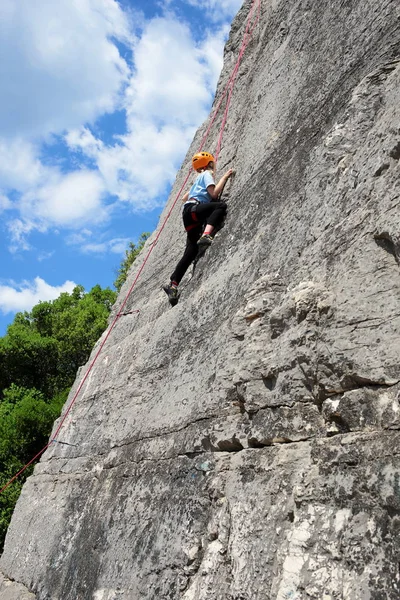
(27, 358)
(39, 357)
(130, 256)
(9, 497)
(26, 419)
(43, 349)
(77, 323)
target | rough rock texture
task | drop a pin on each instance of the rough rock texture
(244, 445)
(13, 591)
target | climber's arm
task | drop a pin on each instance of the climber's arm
(216, 190)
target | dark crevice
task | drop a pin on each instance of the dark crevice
(384, 167)
(254, 443)
(270, 381)
(340, 423)
(392, 511)
(228, 445)
(384, 241)
(232, 445)
(351, 463)
(352, 382)
(238, 336)
(205, 442)
(163, 433)
(324, 394)
(356, 382)
(253, 317)
(191, 455)
(395, 152)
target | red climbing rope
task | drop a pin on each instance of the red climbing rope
(250, 26)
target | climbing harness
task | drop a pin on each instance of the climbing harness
(252, 20)
(217, 228)
(191, 208)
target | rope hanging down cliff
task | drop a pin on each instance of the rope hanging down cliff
(252, 20)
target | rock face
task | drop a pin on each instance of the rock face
(244, 445)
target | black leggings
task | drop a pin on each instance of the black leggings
(210, 213)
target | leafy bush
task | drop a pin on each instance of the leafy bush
(39, 358)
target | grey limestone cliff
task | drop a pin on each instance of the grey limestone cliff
(244, 445)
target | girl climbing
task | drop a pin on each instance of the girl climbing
(201, 208)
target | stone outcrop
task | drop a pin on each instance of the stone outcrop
(244, 445)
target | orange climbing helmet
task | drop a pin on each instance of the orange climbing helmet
(201, 160)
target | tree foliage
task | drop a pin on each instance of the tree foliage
(25, 420)
(44, 348)
(39, 357)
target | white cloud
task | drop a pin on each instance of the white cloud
(70, 200)
(169, 81)
(67, 71)
(19, 230)
(43, 255)
(20, 167)
(119, 245)
(83, 139)
(84, 238)
(62, 68)
(18, 297)
(167, 98)
(212, 53)
(5, 203)
(67, 201)
(76, 239)
(139, 169)
(115, 246)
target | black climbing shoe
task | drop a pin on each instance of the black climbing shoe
(204, 241)
(172, 293)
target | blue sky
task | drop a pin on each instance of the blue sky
(99, 102)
